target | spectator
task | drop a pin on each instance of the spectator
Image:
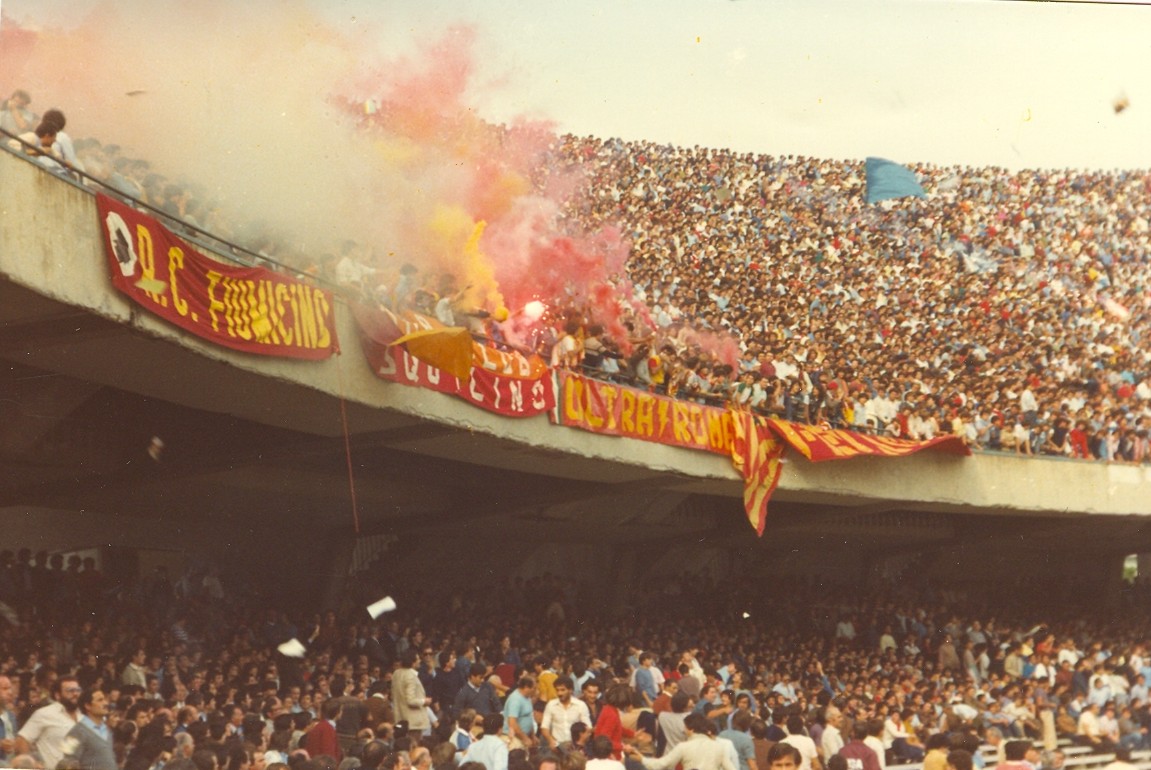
(490, 750)
(738, 735)
(89, 742)
(46, 730)
(699, 751)
(478, 694)
(63, 147)
(938, 747)
(408, 696)
(518, 720)
(832, 740)
(16, 118)
(610, 722)
(561, 713)
(322, 739)
(7, 719)
(856, 752)
(797, 736)
(601, 752)
(959, 759)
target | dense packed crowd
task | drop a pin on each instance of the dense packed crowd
(185, 674)
(1009, 308)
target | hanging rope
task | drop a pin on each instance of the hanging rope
(348, 447)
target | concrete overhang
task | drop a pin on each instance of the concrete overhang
(247, 429)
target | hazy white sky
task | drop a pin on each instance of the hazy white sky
(1017, 84)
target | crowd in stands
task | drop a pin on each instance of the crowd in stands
(185, 675)
(1008, 308)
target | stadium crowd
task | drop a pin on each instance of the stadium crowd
(1009, 308)
(185, 674)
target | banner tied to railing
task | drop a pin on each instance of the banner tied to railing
(416, 350)
(244, 308)
(754, 443)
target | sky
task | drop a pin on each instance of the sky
(1016, 84)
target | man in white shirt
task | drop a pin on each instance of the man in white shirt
(699, 752)
(561, 713)
(63, 146)
(832, 740)
(1068, 653)
(48, 726)
(874, 741)
(1028, 405)
(1090, 733)
(798, 737)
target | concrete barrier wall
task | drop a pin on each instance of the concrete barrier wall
(50, 244)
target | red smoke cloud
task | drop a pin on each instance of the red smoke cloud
(283, 120)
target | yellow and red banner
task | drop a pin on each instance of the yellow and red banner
(819, 444)
(755, 443)
(615, 410)
(416, 350)
(758, 456)
(244, 308)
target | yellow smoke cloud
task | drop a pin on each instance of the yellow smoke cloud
(454, 238)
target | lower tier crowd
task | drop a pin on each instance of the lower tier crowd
(189, 676)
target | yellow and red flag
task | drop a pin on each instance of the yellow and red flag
(756, 455)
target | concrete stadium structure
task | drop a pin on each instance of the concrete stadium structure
(255, 459)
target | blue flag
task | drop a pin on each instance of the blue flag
(887, 179)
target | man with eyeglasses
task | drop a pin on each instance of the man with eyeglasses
(48, 726)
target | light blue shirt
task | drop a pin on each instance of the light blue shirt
(744, 747)
(491, 751)
(521, 708)
(786, 690)
(100, 729)
(645, 682)
(7, 727)
(1099, 696)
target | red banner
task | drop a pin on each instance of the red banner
(614, 410)
(448, 348)
(500, 381)
(509, 396)
(243, 308)
(754, 443)
(819, 444)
